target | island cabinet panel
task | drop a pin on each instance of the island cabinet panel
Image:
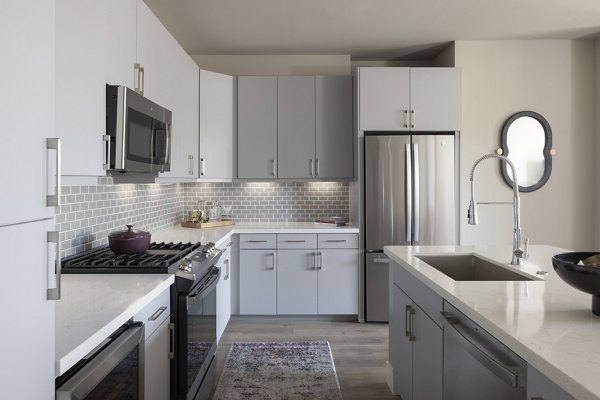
(224, 292)
(539, 387)
(416, 339)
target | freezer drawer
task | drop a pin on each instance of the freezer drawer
(377, 279)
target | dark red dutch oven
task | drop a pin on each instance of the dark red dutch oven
(129, 241)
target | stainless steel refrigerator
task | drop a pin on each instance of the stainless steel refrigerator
(410, 199)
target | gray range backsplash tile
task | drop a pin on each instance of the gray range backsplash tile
(89, 213)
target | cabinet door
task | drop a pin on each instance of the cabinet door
(384, 99)
(257, 127)
(296, 282)
(401, 356)
(223, 297)
(95, 45)
(216, 125)
(27, 345)
(258, 282)
(157, 363)
(427, 361)
(170, 80)
(539, 387)
(27, 103)
(296, 126)
(334, 139)
(435, 99)
(338, 281)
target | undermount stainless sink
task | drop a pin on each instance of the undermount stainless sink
(469, 267)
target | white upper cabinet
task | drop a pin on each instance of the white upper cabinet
(27, 104)
(257, 127)
(216, 126)
(170, 80)
(296, 126)
(95, 45)
(333, 136)
(409, 99)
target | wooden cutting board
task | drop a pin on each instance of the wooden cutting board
(210, 224)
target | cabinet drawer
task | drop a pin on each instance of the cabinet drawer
(155, 313)
(338, 241)
(297, 241)
(258, 241)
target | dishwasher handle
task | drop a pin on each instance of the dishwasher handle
(503, 372)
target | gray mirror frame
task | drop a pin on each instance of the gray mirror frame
(545, 152)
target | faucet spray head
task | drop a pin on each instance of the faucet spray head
(472, 213)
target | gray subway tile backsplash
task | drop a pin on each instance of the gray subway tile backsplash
(89, 213)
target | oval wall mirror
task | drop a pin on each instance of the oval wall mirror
(526, 141)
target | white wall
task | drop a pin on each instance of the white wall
(556, 79)
(275, 64)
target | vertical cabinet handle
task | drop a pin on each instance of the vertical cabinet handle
(53, 200)
(408, 323)
(138, 86)
(273, 168)
(310, 167)
(54, 293)
(412, 118)
(226, 269)
(316, 167)
(171, 341)
(316, 267)
(320, 258)
(274, 266)
(202, 166)
(106, 152)
(191, 164)
(405, 118)
(143, 75)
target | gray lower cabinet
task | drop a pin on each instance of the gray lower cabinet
(258, 282)
(157, 363)
(416, 350)
(337, 281)
(296, 282)
(539, 387)
(257, 127)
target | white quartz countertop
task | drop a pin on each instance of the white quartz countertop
(219, 235)
(92, 306)
(546, 322)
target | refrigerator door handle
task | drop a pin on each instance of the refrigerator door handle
(408, 191)
(417, 190)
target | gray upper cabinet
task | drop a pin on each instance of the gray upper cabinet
(257, 127)
(409, 99)
(296, 126)
(334, 140)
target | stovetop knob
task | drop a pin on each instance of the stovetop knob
(185, 264)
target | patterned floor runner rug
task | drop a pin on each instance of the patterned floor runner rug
(279, 371)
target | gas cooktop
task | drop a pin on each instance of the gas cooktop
(157, 259)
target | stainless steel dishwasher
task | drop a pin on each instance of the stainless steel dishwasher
(476, 365)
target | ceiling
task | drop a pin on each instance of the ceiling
(367, 29)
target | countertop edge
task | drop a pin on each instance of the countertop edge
(68, 360)
(562, 379)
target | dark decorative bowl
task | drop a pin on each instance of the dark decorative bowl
(582, 277)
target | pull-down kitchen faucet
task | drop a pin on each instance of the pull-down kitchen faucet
(517, 252)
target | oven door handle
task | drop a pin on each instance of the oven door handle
(92, 373)
(203, 292)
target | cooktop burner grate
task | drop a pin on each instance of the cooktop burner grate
(156, 259)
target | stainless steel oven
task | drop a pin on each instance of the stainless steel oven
(114, 370)
(197, 338)
(138, 133)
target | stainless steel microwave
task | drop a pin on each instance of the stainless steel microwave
(138, 133)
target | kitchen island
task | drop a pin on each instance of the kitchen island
(544, 321)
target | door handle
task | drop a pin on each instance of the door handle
(407, 322)
(274, 265)
(171, 341)
(296, 241)
(317, 167)
(316, 267)
(408, 192)
(336, 240)
(405, 118)
(320, 257)
(416, 201)
(273, 168)
(412, 118)
(54, 199)
(310, 167)
(54, 293)
(106, 152)
(191, 164)
(157, 313)
(202, 166)
(226, 270)
(381, 260)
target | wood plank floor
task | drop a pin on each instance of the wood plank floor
(359, 350)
